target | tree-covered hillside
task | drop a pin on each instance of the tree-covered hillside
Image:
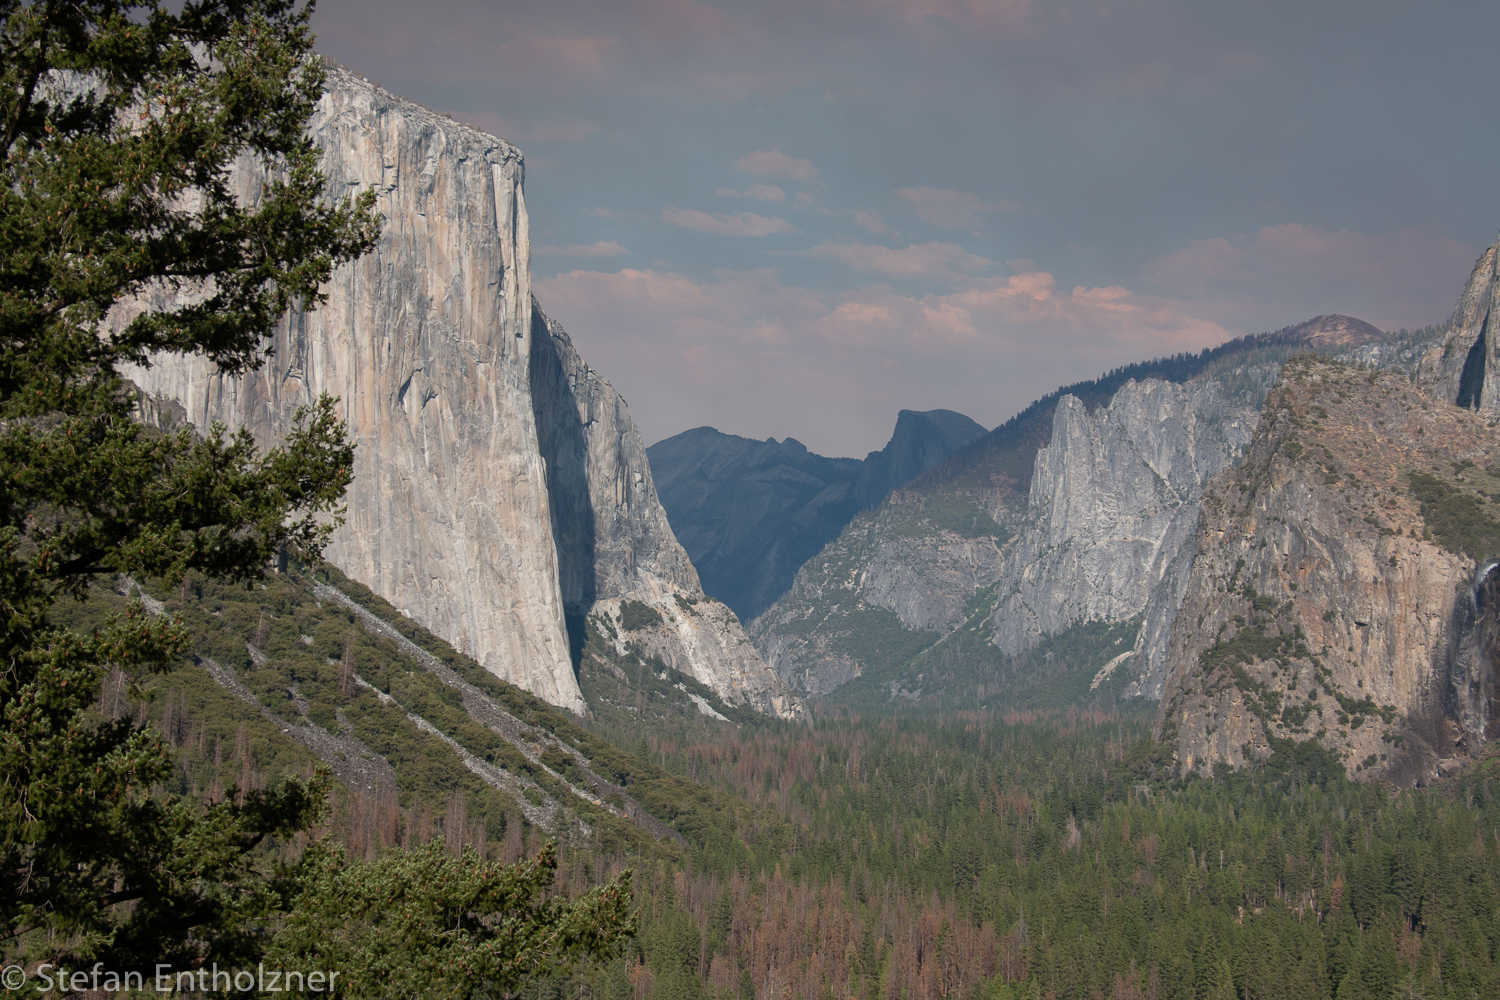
(903, 851)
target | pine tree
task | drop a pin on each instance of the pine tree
(426, 923)
(121, 237)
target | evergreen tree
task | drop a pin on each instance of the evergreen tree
(425, 923)
(120, 237)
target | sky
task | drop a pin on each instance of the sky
(797, 217)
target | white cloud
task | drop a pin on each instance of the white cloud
(762, 192)
(952, 209)
(921, 260)
(750, 355)
(774, 163)
(739, 224)
(601, 248)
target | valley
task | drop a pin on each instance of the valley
(1180, 682)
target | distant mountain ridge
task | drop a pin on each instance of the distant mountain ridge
(976, 545)
(919, 442)
(749, 513)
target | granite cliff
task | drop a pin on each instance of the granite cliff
(1113, 496)
(1080, 509)
(1341, 585)
(500, 486)
(1464, 367)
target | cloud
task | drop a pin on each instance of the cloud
(763, 192)
(601, 248)
(921, 260)
(869, 220)
(1290, 272)
(951, 209)
(751, 355)
(774, 163)
(739, 224)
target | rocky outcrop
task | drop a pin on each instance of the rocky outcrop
(1465, 367)
(1332, 594)
(701, 637)
(498, 481)
(614, 543)
(1105, 532)
(1332, 332)
(1113, 498)
(612, 536)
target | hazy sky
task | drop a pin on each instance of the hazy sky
(797, 217)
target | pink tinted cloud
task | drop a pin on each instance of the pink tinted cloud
(920, 260)
(600, 248)
(869, 220)
(751, 355)
(587, 53)
(952, 209)
(739, 224)
(774, 163)
(1293, 271)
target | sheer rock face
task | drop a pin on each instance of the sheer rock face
(1319, 603)
(1106, 527)
(1113, 500)
(612, 535)
(1465, 368)
(482, 504)
(613, 540)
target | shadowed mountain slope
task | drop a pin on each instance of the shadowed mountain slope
(749, 513)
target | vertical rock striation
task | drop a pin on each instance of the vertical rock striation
(1465, 368)
(426, 341)
(1113, 501)
(612, 536)
(613, 540)
(498, 480)
(1333, 591)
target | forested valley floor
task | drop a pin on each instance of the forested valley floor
(901, 853)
